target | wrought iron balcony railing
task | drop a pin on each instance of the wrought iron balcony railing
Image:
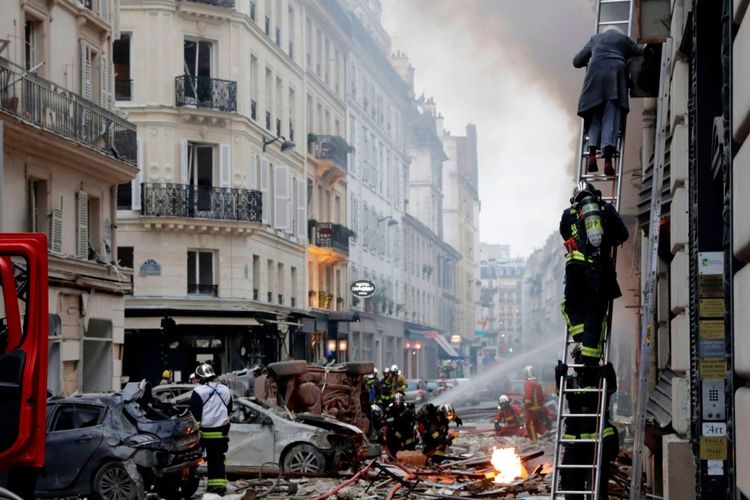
(205, 92)
(202, 289)
(330, 235)
(229, 4)
(51, 107)
(330, 147)
(202, 202)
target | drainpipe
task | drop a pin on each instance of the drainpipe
(2, 173)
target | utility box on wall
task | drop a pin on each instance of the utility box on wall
(652, 20)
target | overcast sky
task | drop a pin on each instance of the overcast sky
(504, 65)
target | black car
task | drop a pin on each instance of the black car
(119, 446)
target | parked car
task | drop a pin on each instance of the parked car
(300, 443)
(417, 391)
(117, 446)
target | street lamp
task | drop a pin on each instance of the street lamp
(391, 220)
(285, 145)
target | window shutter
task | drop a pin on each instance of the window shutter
(290, 202)
(184, 162)
(136, 183)
(225, 165)
(253, 171)
(82, 242)
(104, 9)
(85, 70)
(56, 229)
(301, 210)
(265, 179)
(104, 83)
(281, 197)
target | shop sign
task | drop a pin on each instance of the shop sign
(362, 288)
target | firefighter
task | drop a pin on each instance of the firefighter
(508, 419)
(211, 405)
(590, 228)
(399, 426)
(432, 425)
(533, 403)
(386, 389)
(373, 386)
(587, 377)
(166, 377)
(398, 382)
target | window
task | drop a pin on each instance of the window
(252, 10)
(200, 174)
(125, 256)
(291, 31)
(256, 276)
(309, 113)
(294, 291)
(33, 38)
(121, 60)
(253, 87)
(37, 206)
(197, 63)
(70, 417)
(201, 273)
(270, 277)
(280, 282)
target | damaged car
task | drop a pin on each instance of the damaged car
(265, 436)
(118, 446)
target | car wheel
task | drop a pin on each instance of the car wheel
(113, 481)
(363, 368)
(304, 459)
(288, 368)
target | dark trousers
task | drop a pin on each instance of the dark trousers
(216, 448)
(583, 479)
(584, 309)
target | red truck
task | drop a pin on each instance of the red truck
(23, 358)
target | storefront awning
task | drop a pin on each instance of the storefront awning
(446, 346)
(145, 323)
(213, 320)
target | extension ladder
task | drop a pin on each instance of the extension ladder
(608, 13)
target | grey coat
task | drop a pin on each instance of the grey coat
(607, 76)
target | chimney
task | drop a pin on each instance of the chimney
(404, 68)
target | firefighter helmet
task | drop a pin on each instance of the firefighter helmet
(399, 399)
(529, 372)
(503, 399)
(386, 370)
(448, 411)
(205, 371)
(166, 374)
(394, 368)
(582, 189)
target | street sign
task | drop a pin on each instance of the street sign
(362, 288)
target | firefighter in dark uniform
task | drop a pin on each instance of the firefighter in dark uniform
(587, 377)
(432, 424)
(399, 426)
(386, 389)
(590, 228)
(211, 405)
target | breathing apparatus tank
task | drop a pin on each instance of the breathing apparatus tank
(592, 221)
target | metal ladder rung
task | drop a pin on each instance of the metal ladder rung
(598, 177)
(613, 23)
(602, 2)
(579, 365)
(566, 390)
(575, 492)
(576, 466)
(587, 440)
(581, 415)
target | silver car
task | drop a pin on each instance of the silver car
(270, 437)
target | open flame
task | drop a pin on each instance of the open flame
(508, 465)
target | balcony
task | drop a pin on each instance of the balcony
(205, 92)
(181, 200)
(53, 108)
(329, 151)
(203, 289)
(229, 4)
(329, 242)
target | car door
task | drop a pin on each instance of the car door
(251, 442)
(74, 433)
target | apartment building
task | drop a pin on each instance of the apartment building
(215, 226)
(501, 316)
(325, 51)
(377, 103)
(461, 230)
(63, 153)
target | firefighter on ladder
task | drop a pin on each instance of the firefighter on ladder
(211, 405)
(590, 229)
(533, 403)
(586, 377)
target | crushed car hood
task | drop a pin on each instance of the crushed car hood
(328, 423)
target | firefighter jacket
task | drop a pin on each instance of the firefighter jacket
(588, 402)
(509, 415)
(400, 424)
(433, 428)
(211, 404)
(615, 233)
(533, 395)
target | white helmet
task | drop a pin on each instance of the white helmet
(529, 371)
(503, 399)
(205, 371)
(386, 370)
(394, 368)
(375, 371)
